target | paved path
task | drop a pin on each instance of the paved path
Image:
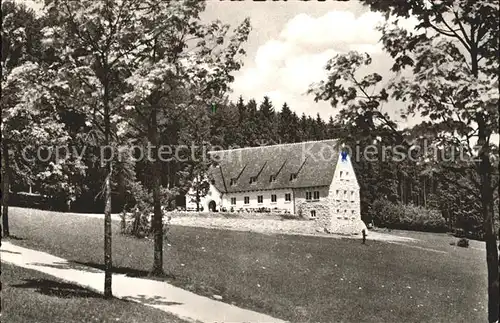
(160, 295)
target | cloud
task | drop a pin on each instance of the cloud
(336, 30)
(285, 66)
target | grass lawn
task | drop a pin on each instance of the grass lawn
(30, 296)
(298, 278)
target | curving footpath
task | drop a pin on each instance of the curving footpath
(160, 295)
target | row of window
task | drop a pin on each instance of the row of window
(311, 195)
(288, 197)
(345, 195)
(260, 198)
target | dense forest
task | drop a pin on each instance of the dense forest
(253, 123)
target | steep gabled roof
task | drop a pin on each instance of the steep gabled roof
(313, 163)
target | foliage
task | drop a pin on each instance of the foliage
(407, 217)
(447, 74)
(463, 242)
(31, 117)
(137, 221)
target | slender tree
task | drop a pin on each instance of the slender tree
(94, 39)
(184, 63)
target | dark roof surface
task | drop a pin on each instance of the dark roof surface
(314, 163)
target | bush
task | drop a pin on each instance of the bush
(406, 217)
(464, 243)
(138, 222)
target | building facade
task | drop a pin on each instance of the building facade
(314, 180)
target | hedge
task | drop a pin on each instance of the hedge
(407, 217)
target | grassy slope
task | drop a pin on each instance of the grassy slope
(30, 296)
(303, 279)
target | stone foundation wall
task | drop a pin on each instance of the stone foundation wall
(271, 226)
(254, 225)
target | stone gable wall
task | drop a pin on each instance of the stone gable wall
(345, 216)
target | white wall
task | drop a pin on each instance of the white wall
(280, 200)
(212, 195)
(344, 180)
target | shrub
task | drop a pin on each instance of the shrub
(406, 217)
(138, 222)
(463, 242)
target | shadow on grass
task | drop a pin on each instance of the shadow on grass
(155, 300)
(130, 272)
(12, 237)
(67, 265)
(92, 267)
(13, 252)
(58, 289)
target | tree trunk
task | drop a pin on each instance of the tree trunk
(5, 189)
(492, 260)
(491, 250)
(157, 223)
(198, 195)
(424, 196)
(108, 261)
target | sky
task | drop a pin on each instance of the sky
(290, 43)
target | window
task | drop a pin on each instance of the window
(308, 196)
(313, 213)
(341, 172)
(273, 198)
(253, 179)
(293, 177)
(353, 211)
(352, 196)
(316, 195)
(272, 178)
(345, 195)
(288, 197)
(232, 182)
(247, 200)
(260, 199)
(233, 200)
(337, 194)
(338, 211)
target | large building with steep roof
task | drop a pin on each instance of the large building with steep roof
(314, 180)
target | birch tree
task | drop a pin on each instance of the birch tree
(92, 39)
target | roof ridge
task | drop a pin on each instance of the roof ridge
(267, 146)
